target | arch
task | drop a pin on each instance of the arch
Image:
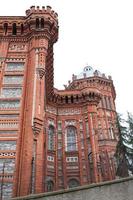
(22, 29)
(51, 136)
(42, 23)
(71, 99)
(37, 23)
(50, 186)
(66, 99)
(5, 28)
(77, 98)
(14, 29)
(73, 183)
(71, 138)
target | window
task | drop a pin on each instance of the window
(73, 183)
(37, 23)
(50, 186)
(111, 132)
(42, 23)
(14, 29)
(11, 92)
(9, 104)
(5, 28)
(8, 164)
(50, 158)
(7, 145)
(15, 66)
(71, 139)
(22, 29)
(59, 126)
(51, 138)
(13, 79)
(7, 190)
(71, 159)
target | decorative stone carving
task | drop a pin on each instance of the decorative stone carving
(51, 109)
(9, 125)
(41, 72)
(70, 123)
(17, 47)
(69, 111)
(51, 122)
(37, 126)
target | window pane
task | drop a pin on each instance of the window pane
(15, 66)
(9, 104)
(13, 79)
(9, 165)
(11, 92)
(71, 139)
(7, 145)
(51, 138)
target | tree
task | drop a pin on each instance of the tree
(122, 149)
(130, 141)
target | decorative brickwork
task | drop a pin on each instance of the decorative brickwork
(50, 139)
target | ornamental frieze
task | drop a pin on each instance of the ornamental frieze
(17, 47)
(70, 123)
(69, 111)
(51, 109)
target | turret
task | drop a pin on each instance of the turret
(36, 20)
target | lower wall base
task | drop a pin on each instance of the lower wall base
(121, 189)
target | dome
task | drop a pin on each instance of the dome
(88, 71)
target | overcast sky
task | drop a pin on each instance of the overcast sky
(94, 32)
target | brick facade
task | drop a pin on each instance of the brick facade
(50, 139)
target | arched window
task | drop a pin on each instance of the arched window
(71, 139)
(22, 29)
(50, 186)
(42, 23)
(14, 29)
(5, 28)
(37, 23)
(111, 132)
(73, 183)
(51, 138)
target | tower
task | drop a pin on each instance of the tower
(26, 53)
(50, 139)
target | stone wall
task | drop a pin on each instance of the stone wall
(121, 189)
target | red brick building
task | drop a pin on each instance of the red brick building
(50, 139)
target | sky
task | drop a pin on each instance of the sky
(98, 33)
